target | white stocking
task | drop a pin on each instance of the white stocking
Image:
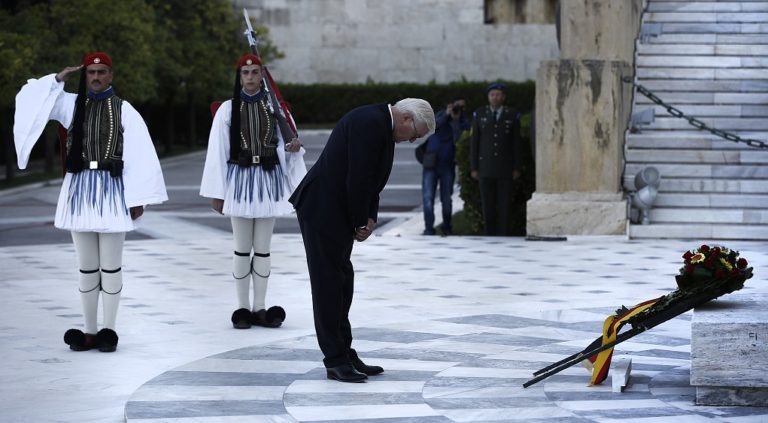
(87, 249)
(242, 228)
(262, 263)
(111, 257)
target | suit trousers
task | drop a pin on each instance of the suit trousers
(496, 198)
(333, 281)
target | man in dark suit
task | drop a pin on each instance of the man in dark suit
(337, 203)
(494, 158)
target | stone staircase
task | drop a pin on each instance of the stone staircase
(710, 60)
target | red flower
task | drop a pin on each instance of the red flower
(689, 269)
(709, 264)
(734, 271)
(742, 263)
(704, 248)
(687, 256)
(719, 274)
(715, 252)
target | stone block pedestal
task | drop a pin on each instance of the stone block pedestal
(576, 213)
(729, 350)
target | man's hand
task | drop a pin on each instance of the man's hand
(136, 212)
(474, 174)
(362, 233)
(217, 204)
(293, 146)
(67, 72)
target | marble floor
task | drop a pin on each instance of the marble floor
(458, 323)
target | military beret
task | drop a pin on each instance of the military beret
(96, 58)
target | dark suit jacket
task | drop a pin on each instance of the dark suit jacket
(341, 191)
(494, 149)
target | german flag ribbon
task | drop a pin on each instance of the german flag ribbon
(601, 361)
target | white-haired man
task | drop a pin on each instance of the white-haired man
(337, 203)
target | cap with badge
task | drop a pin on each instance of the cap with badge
(496, 86)
(248, 59)
(97, 58)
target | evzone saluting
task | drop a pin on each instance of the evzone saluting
(112, 173)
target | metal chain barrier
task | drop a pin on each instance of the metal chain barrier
(696, 123)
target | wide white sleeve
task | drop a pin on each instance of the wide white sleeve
(294, 166)
(214, 183)
(39, 101)
(142, 175)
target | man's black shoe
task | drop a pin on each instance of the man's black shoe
(362, 367)
(345, 373)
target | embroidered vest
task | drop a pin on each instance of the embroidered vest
(102, 136)
(258, 143)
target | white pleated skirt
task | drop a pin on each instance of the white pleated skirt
(254, 192)
(93, 201)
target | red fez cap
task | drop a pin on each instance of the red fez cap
(248, 59)
(97, 57)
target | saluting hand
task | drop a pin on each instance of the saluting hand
(67, 72)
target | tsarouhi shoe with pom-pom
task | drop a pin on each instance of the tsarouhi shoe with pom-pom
(241, 318)
(79, 341)
(107, 340)
(272, 318)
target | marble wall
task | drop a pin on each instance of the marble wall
(357, 41)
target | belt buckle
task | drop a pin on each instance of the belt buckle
(93, 164)
(256, 160)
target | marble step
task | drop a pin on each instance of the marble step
(756, 189)
(704, 98)
(703, 62)
(735, 89)
(706, 17)
(707, 6)
(707, 110)
(725, 124)
(699, 231)
(712, 27)
(702, 49)
(710, 215)
(712, 200)
(699, 38)
(733, 157)
(710, 74)
(702, 171)
(704, 199)
(698, 140)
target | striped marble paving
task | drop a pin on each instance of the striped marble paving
(466, 369)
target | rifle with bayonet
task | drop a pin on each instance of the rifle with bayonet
(275, 102)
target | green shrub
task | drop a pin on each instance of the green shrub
(326, 103)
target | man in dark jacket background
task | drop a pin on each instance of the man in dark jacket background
(337, 203)
(439, 165)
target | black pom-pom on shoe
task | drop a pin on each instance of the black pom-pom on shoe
(241, 318)
(276, 314)
(271, 318)
(79, 341)
(107, 340)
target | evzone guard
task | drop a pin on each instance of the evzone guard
(250, 171)
(112, 173)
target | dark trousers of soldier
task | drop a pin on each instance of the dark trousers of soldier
(332, 278)
(496, 198)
